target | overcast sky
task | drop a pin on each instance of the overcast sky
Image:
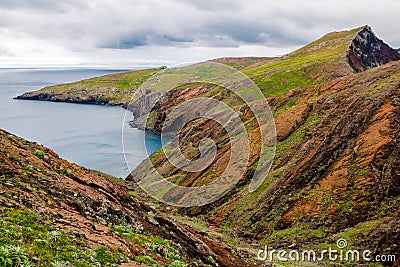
(134, 33)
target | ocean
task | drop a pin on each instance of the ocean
(89, 135)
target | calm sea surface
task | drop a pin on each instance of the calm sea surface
(88, 135)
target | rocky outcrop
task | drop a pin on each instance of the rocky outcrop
(54, 97)
(160, 104)
(141, 107)
(368, 51)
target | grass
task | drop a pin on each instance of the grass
(39, 153)
(25, 235)
(63, 171)
(297, 136)
(299, 69)
(296, 234)
(152, 243)
(113, 88)
(23, 238)
(351, 235)
(28, 168)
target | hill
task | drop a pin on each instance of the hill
(55, 213)
(335, 174)
(336, 168)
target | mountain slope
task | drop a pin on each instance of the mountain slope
(54, 211)
(336, 165)
(335, 174)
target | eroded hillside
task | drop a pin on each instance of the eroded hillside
(55, 212)
(336, 164)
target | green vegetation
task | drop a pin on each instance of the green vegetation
(155, 244)
(212, 260)
(112, 89)
(240, 63)
(351, 235)
(39, 153)
(15, 159)
(296, 234)
(26, 242)
(63, 171)
(11, 256)
(301, 68)
(297, 136)
(28, 168)
(151, 214)
(145, 260)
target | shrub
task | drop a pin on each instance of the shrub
(63, 171)
(28, 168)
(14, 158)
(145, 259)
(178, 263)
(11, 256)
(39, 153)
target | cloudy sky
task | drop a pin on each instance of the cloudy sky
(134, 33)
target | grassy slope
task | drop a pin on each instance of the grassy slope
(305, 66)
(112, 89)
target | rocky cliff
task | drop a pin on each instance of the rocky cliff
(368, 51)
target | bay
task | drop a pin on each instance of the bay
(89, 135)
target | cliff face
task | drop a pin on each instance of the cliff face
(53, 210)
(368, 51)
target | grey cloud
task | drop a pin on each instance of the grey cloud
(124, 43)
(215, 5)
(86, 25)
(142, 39)
(41, 5)
(4, 52)
(247, 32)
